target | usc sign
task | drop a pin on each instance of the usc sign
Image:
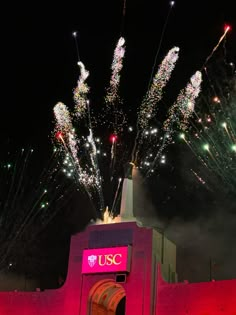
(109, 259)
(104, 260)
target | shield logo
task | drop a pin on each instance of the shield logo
(92, 260)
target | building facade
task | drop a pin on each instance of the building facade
(122, 268)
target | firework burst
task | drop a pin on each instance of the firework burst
(96, 163)
(83, 153)
(212, 135)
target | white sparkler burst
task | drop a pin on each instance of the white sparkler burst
(155, 93)
(183, 108)
(81, 92)
(117, 65)
(63, 119)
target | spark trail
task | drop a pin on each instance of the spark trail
(227, 28)
(28, 200)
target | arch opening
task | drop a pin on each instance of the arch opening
(106, 297)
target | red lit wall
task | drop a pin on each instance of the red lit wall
(210, 298)
(204, 298)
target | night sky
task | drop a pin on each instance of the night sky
(39, 68)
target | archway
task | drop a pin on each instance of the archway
(106, 298)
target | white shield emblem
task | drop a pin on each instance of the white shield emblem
(92, 260)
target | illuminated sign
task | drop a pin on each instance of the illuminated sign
(101, 260)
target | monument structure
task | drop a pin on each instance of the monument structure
(123, 268)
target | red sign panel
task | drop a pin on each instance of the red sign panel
(101, 260)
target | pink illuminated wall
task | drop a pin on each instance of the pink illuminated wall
(209, 298)
(204, 298)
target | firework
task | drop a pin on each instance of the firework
(155, 93)
(96, 164)
(29, 200)
(63, 120)
(212, 136)
(80, 153)
(113, 101)
(153, 96)
(85, 172)
(81, 92)
(183, 108)
(117, 65)
(178, 118)
(226, 30)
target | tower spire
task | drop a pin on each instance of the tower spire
(126, 207)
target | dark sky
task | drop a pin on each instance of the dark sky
(39, 69)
